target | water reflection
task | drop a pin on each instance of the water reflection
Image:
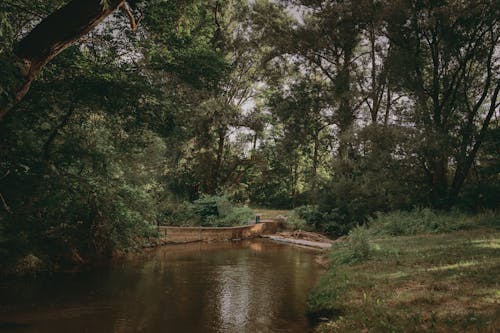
(225, 287)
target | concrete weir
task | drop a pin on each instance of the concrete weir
(175, 235)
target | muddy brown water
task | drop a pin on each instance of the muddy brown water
(249, 286)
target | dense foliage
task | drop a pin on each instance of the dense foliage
(341, 109)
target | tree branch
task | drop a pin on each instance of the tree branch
(133, 22)
(52, 35)
(5, 206)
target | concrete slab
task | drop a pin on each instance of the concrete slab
(302, 242)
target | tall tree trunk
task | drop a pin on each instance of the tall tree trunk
(439, 195)
(218, 162)
(464, 167)
(375, 93)
(52, 35)
(346, 113)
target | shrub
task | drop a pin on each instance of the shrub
(358, 240)
(422, 221)
(209, 211)
(235, 216)
(295, 222)
(311, 214)
(334, 221)
(305, 218)
(207, 208)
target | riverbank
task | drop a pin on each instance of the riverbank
(420, 283)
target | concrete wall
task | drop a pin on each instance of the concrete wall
(207, 234)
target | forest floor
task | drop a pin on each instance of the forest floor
(425, 283)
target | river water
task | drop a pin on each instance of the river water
(248, 286)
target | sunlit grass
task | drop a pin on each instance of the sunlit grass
(272, 213)
(425, 283)
(491, 243)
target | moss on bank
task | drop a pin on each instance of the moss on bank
(440, 282)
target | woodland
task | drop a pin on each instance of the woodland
(118, 116)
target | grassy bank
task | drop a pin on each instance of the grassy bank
(437, 275)
(267, 213)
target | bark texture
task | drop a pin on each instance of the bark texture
(52, 35)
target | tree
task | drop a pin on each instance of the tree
(47, 39)
(216, 159)
(302, 106)
(446, 55)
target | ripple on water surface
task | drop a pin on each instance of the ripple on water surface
(249, 286)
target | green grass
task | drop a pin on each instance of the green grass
(272, 213)
(439, 282)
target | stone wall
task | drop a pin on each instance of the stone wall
(208, 234)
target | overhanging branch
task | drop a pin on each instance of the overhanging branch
(52, 35)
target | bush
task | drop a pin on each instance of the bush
(209, 208)
(356, 249)
(335, 222)
(236, 216)
(358, 239)
(295, 222)
(305, 218)
(209, 211)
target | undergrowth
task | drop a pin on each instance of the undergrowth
(427, 221)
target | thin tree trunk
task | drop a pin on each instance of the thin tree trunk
(254, 144)
(315, 161)
(295, 176)
(218, 162)
(387, 107)
(346, 114)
